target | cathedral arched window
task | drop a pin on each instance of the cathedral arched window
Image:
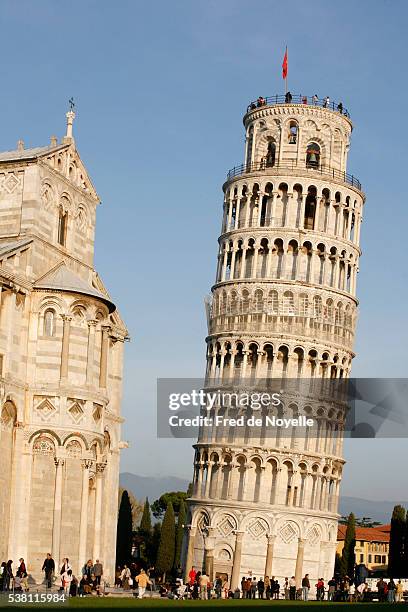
(313, 155)
(271, 154)
(49, 323)
(293, 132)
(62, 226)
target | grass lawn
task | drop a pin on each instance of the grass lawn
(157, 604)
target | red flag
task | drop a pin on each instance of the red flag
(285, 65)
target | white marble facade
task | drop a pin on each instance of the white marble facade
(61, 351)
(283, 306)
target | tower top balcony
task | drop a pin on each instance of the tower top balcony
(297, 100)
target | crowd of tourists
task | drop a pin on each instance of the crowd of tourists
(314, 100)
(137, 580)
(199, 586)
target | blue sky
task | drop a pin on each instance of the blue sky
(161, 88)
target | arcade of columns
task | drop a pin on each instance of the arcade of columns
(283, 307)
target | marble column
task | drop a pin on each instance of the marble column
(269, 554)
(209, 546)
(90, 352)
(103, 371)
(299, 562)
(236, 568)
(56, 527)
(83, 525)
(190, 551)
(100, 467)
(65, 346)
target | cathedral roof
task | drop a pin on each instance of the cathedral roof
(14, 245)
(22, 154)
(60, 278)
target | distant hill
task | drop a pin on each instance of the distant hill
(377, 510)
(153, 487)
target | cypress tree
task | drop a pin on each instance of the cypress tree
(181, 521)
(145, 528)
(165, 553)
(348, 555)
(124, 535)
(396, 563)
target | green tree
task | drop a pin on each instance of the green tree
(348, 555)
(145, 527)
(152, 546)
(137, 507)
(165, 553)
(396, 559)
(160, 505)
(124, 531)
(181, 521)
(337, 565)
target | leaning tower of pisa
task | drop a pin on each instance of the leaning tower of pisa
(283, 306)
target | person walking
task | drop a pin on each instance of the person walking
(292, 588)
(48, 568)
(8, 575)
(391, 591)
(204, 582)
(399, 591)
(97, 570)
(142, 581)
(66, 575)
(22, 574)
(320, 589)
(125, 577)
(305, 587)
(286, 588)
(332, 589)
(192, 575)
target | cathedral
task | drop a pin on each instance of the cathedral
(283, 308)
(61, 359)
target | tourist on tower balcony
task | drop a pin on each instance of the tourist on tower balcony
(315, 99)
(304, 99)
(48, 568)
(305, 587)
(326, 102)
(288, 97)
(340, 107)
